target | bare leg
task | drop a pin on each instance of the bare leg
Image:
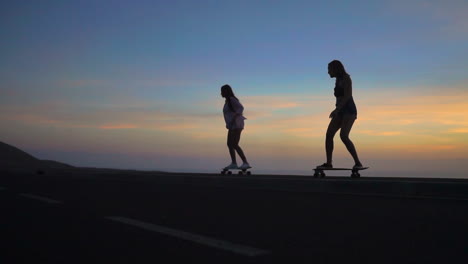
(347, 124)
(233, 145)
(333, 127)
(237, 147)
(230, 144)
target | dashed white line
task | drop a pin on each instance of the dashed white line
(40, 198)
(216, 243)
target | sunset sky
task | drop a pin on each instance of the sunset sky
(136, 84)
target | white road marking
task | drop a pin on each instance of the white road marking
(40, 198)
(239, 249)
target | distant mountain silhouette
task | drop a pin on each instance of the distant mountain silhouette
(55, 164)
(10, 153)
(12, 157)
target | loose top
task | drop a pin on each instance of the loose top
(233, 117)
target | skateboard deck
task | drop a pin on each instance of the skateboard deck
(319, 172)
(241, 171)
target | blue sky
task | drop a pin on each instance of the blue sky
(76, 68)
(222, 39)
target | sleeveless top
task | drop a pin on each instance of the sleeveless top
(350, 106)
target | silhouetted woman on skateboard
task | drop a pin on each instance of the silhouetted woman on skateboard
(343, 116)
(234, 119)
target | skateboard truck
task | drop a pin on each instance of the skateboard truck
(319, 171)
(241, 171)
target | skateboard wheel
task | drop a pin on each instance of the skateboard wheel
(229, 172)
(240, 173)
(223, 172)
(316, 174)
(248, 173)
(322, 174)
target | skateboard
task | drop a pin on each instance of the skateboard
(354, 172)
(241, 171)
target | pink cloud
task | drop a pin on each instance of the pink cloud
(118, 126)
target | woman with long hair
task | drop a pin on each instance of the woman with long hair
(343, 116)
(234, 119)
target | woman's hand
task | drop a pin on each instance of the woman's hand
(332, 115)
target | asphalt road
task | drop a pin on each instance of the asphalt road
(83, 217)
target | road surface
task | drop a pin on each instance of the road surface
(83, 216)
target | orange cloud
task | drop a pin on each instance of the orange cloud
(278, 102)
(118, 126)
(422, 148)
(389, 123)
(380, 133)
(174, 127)
(459, 131)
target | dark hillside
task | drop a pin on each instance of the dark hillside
(12, 157)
